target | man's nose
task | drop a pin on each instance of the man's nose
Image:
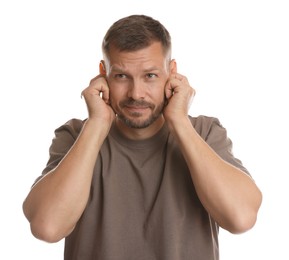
(137, 89)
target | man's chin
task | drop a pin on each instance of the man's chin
(137, 123)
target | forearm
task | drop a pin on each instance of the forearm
(229, 195)
(57, 201)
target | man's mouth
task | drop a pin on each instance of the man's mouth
(134, 106)
(136, 109)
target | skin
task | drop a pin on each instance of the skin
(145, 90)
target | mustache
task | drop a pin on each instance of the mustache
(136, 103)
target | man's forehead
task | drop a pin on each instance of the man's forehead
(139, 67)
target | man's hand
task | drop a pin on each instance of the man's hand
(96, 96)
(179, 95)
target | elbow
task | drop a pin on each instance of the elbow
(246, 219)
(45, 235)
(43, 229)
(46, 232)
(40, 229)
(242, 224)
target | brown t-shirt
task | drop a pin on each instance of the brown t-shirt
(143, 204)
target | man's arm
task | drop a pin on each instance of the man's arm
(56, 202)
(229, 195)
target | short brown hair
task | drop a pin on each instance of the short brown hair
(135, 32)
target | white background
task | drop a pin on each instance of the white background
(235, 54)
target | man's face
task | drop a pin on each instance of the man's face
(136, 84)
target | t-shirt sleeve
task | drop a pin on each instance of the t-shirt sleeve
(215, 135)
(64, 138)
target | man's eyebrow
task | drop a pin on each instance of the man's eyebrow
(152, 69)
(116, 69)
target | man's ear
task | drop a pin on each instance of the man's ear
(173, 66)
(102, 70)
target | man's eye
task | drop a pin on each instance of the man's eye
(151, 75)
(120, 76)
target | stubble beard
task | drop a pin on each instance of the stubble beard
(135, 121)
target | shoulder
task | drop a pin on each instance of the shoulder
(72, 126)
(205, 124)
(64, 137)
(203, 120)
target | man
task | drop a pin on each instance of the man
(140, 178)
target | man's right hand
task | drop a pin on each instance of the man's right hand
(96, 96)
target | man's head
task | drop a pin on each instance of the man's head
(136, 32)
(137, 65)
